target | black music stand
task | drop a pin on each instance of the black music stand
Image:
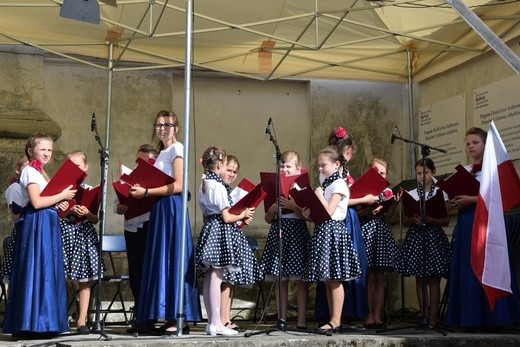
(98, 328)
(280, 325)
(424, 323)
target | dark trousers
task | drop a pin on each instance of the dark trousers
(135, 245)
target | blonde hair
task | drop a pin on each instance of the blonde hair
(230, 158)
(381, 161)
(78, 153)
(34, 140)
(290, 155)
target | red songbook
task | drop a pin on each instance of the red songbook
(136, 207)
(435, 206)
(461, 182)
(241, 190)
(68, 174)
(251, 200)
(88, 197)
(306, 197)
(146, 175)
(371, 182)
(268, 181)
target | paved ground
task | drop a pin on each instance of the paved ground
(116, 336)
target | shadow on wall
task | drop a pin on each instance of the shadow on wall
(366, 118)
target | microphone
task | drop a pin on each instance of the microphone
(93, 122)
(394, 135)
(268, 129)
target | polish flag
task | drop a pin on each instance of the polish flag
(499, 192)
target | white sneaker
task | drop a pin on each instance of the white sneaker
(213, 330)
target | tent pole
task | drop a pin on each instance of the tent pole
(103, 151)
(411, 112)
(489, 36)
(187, 111)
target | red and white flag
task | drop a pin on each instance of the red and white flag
(499, 192)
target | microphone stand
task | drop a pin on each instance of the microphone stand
(103, 156)
(280, 325)
(424, 323)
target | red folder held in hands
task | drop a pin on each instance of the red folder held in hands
(136, 207)
(241, 190)
(68, 174)
(251, 200)
(306, 197)
(435, 206)
(461, 182)
(146, 175)
(371, 182)
(268, 181)
(88, 197)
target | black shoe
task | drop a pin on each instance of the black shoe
(301, 328)
(329, 330)
(83, 330)
(185, 331)
(142, 329)
(237, 327)
(280, 325)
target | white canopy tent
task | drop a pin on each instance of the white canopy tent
(269, 39)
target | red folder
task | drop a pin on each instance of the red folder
(88, 197)
(251, 200)
(435, 206)
(461, 182)
(371, 182)
(146, 175)
(68, 174)
(241, 190)
(268, 181)
(306, 197)
(136, 207)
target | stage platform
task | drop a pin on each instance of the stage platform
(368, 338)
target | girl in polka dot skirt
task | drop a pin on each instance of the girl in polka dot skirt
(295, 245)
(221, 247)
(332, 258)
(381, 249)
(409, 260)
(235, 278)
(81, 248)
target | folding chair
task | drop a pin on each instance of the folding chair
(114, 244)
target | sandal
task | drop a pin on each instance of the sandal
(236, 327)
(331, 330)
